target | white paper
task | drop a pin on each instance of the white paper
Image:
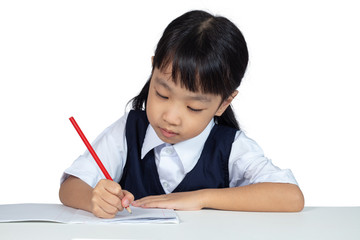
(62, 214)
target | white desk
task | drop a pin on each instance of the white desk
(312, 223)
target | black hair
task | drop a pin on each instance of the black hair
(208, 54)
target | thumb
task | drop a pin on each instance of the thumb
(127, 199)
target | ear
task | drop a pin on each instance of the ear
(152, 60)
(226, 103)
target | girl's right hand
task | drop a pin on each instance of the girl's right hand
(108, 198)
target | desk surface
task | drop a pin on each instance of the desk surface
(312, 223)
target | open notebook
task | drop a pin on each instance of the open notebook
(62, 214)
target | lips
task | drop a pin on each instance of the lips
(167, 133)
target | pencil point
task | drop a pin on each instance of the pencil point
(129, 210)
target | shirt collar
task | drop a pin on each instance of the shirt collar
(188, 151)
(151, 141)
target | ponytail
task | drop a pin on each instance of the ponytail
(139, 102)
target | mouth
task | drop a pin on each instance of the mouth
(167, 133)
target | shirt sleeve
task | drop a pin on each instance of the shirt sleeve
(111, 148)
(248, 165)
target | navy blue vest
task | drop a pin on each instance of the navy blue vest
(141, 178)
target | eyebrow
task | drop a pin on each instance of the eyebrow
(163, 83)
(197, 97)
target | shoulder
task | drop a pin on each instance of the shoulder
(114, 134)
(224, 131)
(244, 145)
(136, 115)
(116, 128)
(136, 121)
(111, 147)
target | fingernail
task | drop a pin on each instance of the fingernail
(126, 203)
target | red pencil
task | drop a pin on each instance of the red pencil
(92, 152)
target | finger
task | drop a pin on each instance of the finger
(114, 188)
(112, 200)
(104, 210)
(158, 204)
(102, 192)
(149, 201)
(127, 199)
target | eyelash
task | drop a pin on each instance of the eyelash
(190, 108)
(161, 96)
(194, 110)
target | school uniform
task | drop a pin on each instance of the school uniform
(219, 157)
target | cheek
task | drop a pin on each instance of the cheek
(195, 126)
(151, 109)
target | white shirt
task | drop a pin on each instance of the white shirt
(247, 163)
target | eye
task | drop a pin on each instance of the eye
(161, 96)
(194, 109)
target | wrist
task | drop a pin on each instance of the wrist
(205, 198)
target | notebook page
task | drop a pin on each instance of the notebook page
(62, 214)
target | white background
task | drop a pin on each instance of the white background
(299, 99)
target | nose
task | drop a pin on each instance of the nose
(172, 116)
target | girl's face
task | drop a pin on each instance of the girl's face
(176, 114)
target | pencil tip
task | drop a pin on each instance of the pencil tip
(129, 210)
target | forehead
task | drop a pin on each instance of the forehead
(164, 79)
(184, 74)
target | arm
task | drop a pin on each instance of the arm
(274, 197)
(76, 193)
(105, 200)
(264, 197)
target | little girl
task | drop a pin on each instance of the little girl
(181, 146)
